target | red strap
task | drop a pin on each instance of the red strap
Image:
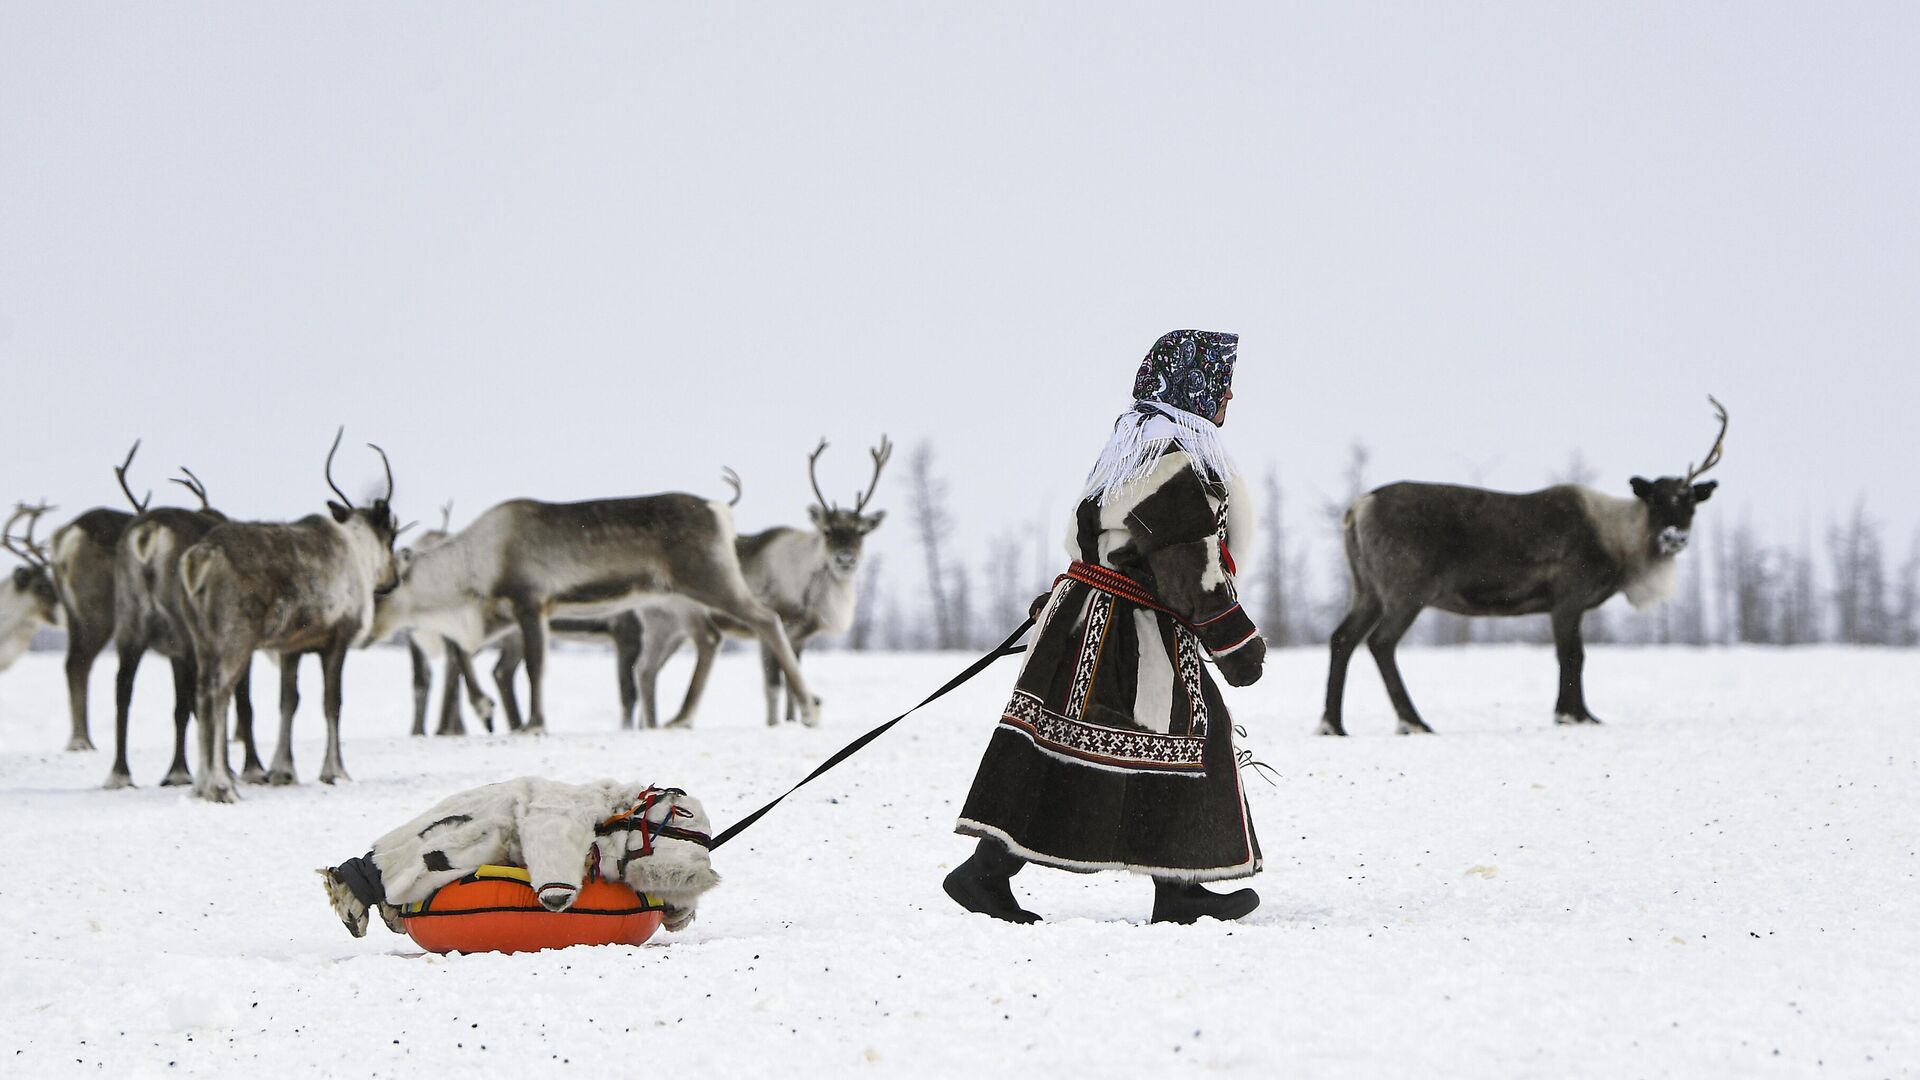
(1226, 559)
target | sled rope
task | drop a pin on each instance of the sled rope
(1005, 648)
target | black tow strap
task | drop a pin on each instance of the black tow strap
(1005, 648)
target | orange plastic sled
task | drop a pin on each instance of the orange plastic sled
(494, 909)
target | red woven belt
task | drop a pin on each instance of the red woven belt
(1117, 584)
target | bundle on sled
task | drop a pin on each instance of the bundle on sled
(533, 864)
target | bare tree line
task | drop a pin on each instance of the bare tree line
(1855, 587)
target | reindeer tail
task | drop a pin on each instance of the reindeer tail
(149, 543)
(196, 568)
(1350, 538)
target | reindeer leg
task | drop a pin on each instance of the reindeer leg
(1363, 611)
(626, 659)
(215, 781)
(82, 648)
(252, 771)
(282, 771)
(1385, 637)
(130, 655)
(533, 639)
(476, 697)
(799, 647)
(186, 682)
(706, 644)
(770, 683)
(660, 637)
(725, 591)
(503, 669)
(451, 722)
(422, 683)
(243, 704)
(333, 665)
(1572, 705)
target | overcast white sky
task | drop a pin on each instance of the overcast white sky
(570, 251)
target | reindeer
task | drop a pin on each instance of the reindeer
(672, 614)
(150, 613)
(304, 587)
(424, 649)
(523, 562)
(28, 600)
(82, 569)
(808, 577)
(1561, 551)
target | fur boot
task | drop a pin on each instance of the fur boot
(983, 884)
(1186, 901)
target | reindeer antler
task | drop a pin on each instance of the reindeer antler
(446, 516)
(387, 465)
(813, 459)
(733, 481)
(121, 473)
(1713, 455)
(31, 553)
(344, 501)
(881, 455)
(192, 483)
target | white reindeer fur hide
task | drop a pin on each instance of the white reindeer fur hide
(549, 828)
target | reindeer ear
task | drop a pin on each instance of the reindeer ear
(340, 513)
(819, 516)
(1703, 492)
(872, 521)
(1642, 487)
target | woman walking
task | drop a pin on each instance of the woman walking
(1116, 750)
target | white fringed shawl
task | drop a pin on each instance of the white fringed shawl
(1141, 435)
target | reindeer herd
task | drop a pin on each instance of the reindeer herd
(208, 593)
(654, 573)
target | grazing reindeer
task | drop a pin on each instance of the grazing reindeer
(82, 567)
(1561, 551)
(809, 578)
(307, 586)
(424, 649)
(27, 597)
(150, 613)
(523, 562)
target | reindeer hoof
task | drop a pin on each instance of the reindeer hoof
(117, 780)
(1414, 727)
(255, 773)
(1332, 727)
(1571, 718)
(176, 778)
(220, 793)
(334, 776)
(282, 778)
(79, 742)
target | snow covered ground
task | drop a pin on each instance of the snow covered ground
(1721, 881)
